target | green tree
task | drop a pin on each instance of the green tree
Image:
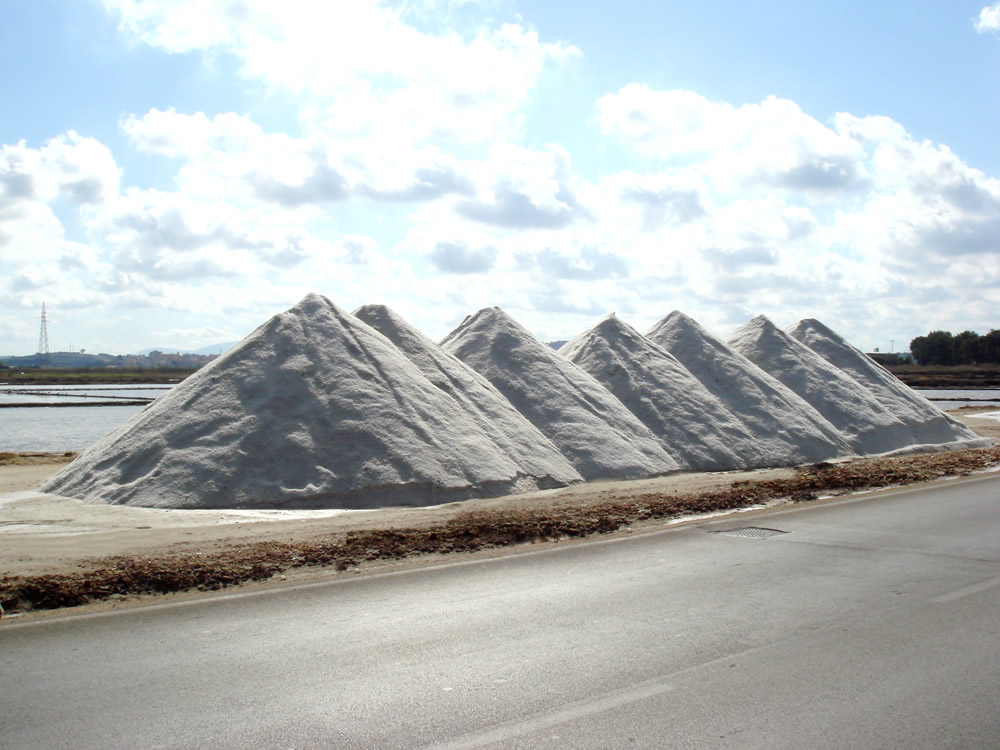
(936, 348)
(966, 348)
(919, 350)
(989, 346)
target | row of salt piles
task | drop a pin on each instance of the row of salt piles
(321, 408)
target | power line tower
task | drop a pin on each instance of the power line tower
(43, 338)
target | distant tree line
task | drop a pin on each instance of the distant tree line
(965, 348)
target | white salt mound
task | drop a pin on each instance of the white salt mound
(929, 424)
(867, 425)
(314, 409)
(599, 436)
(694, 425)
(787, 431)
(506, 426)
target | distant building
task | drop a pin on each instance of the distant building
(891, 360)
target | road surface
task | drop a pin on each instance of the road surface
(872, 622)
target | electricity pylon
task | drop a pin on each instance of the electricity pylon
(43, 338)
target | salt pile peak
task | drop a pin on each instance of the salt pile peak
(313, 409)
(866, 424)
(694, 425)
(929, 424)
(506, 426)
(787, 430)
(593, 429)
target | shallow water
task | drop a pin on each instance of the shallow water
(953, 398)
(73, 428)
(57, 429)
(53, 394)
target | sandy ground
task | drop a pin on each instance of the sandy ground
(46, 534)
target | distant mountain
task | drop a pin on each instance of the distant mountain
(211, 349)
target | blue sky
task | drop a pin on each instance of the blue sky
(174, 173)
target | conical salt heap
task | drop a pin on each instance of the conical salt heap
(694, 425)
(506, 426)
(868, 427)
(787, 430)
(599, 436)
(930, 425)
(313, 409)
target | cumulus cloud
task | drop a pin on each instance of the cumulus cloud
(530, 190)
(989, 19)
(588, 263)
(735, 260)
(663, 200)
(173, 134)
(772, 144)
(231, 155)
(356, 249)
(360, 68)
(458, 257)
(325, 183)
(70, 166)
(168, 236)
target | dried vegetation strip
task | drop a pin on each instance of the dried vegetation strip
(35, 459)
(606, 512)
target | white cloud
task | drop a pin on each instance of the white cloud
(989, 19)
(359, 69)
(79, 169)
(769, 145)
(526, 190)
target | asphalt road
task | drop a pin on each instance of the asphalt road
(870, 623)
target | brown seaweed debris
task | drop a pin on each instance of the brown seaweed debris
(611, 511)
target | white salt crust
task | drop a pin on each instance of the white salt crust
(593, 429)
(694, 425)
(318, 408)
(867, 426)
(313, 409)
(787, 431)
(929, 424)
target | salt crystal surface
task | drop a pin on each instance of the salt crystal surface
(929, 424)
(593, 429)
(506, 426)
(313, 409)
(868, 427)
(787, 430)
(694, 425)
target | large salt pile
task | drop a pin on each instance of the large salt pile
(593, 429)
(506, 426)
(866, 424)
(787, 430)
(694, 425)
(929, 424)
(313, 409)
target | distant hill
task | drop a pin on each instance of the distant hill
(77, 360)
(211, 349)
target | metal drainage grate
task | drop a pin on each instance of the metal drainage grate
(752, 532)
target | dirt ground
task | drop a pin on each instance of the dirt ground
(56, 551)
